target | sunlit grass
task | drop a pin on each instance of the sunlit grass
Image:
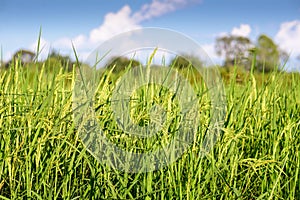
(42, 156)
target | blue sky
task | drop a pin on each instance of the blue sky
(90, 22)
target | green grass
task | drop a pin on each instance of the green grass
(42, 155)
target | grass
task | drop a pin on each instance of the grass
(43, 157)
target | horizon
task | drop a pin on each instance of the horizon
(90, 23)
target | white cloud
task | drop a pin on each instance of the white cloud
(44, 47)
(211, 53)
(288, 37)
(79, 40)
(222, 34)
(115, 23)
(62, 43)
(7, 56)
(244, 30)
(159, 7)
(66, 43)
(43, 44)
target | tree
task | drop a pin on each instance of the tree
(2, 64)
(233, 48)
(185, 61)
(267, 54)
(188, 67)
(24, 56)
(119, 63)
(56, 60)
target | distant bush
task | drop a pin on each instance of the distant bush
(22, 56)
(120, 63)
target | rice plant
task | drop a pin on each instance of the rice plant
(42, 155)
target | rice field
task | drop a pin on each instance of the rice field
(42, 155)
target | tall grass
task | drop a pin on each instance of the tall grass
(42, 155)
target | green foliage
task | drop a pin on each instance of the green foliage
(2, 64)
(188, 66)
(237, 73)
(265, 54)
(119, 64)
(56, 61)
(42, 156)
(186, 61)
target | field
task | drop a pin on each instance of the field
(43, 157)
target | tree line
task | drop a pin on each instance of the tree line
(262, 55)
(28, 58)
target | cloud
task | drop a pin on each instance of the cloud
(66, 43)
(118, 22)
(125, 20)
(211, 53)
(114, 23)
(244, 30)
(159, 7)
(44, 47)
(222, 34)
(7, 56)
(288, 37)
(43, 44)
